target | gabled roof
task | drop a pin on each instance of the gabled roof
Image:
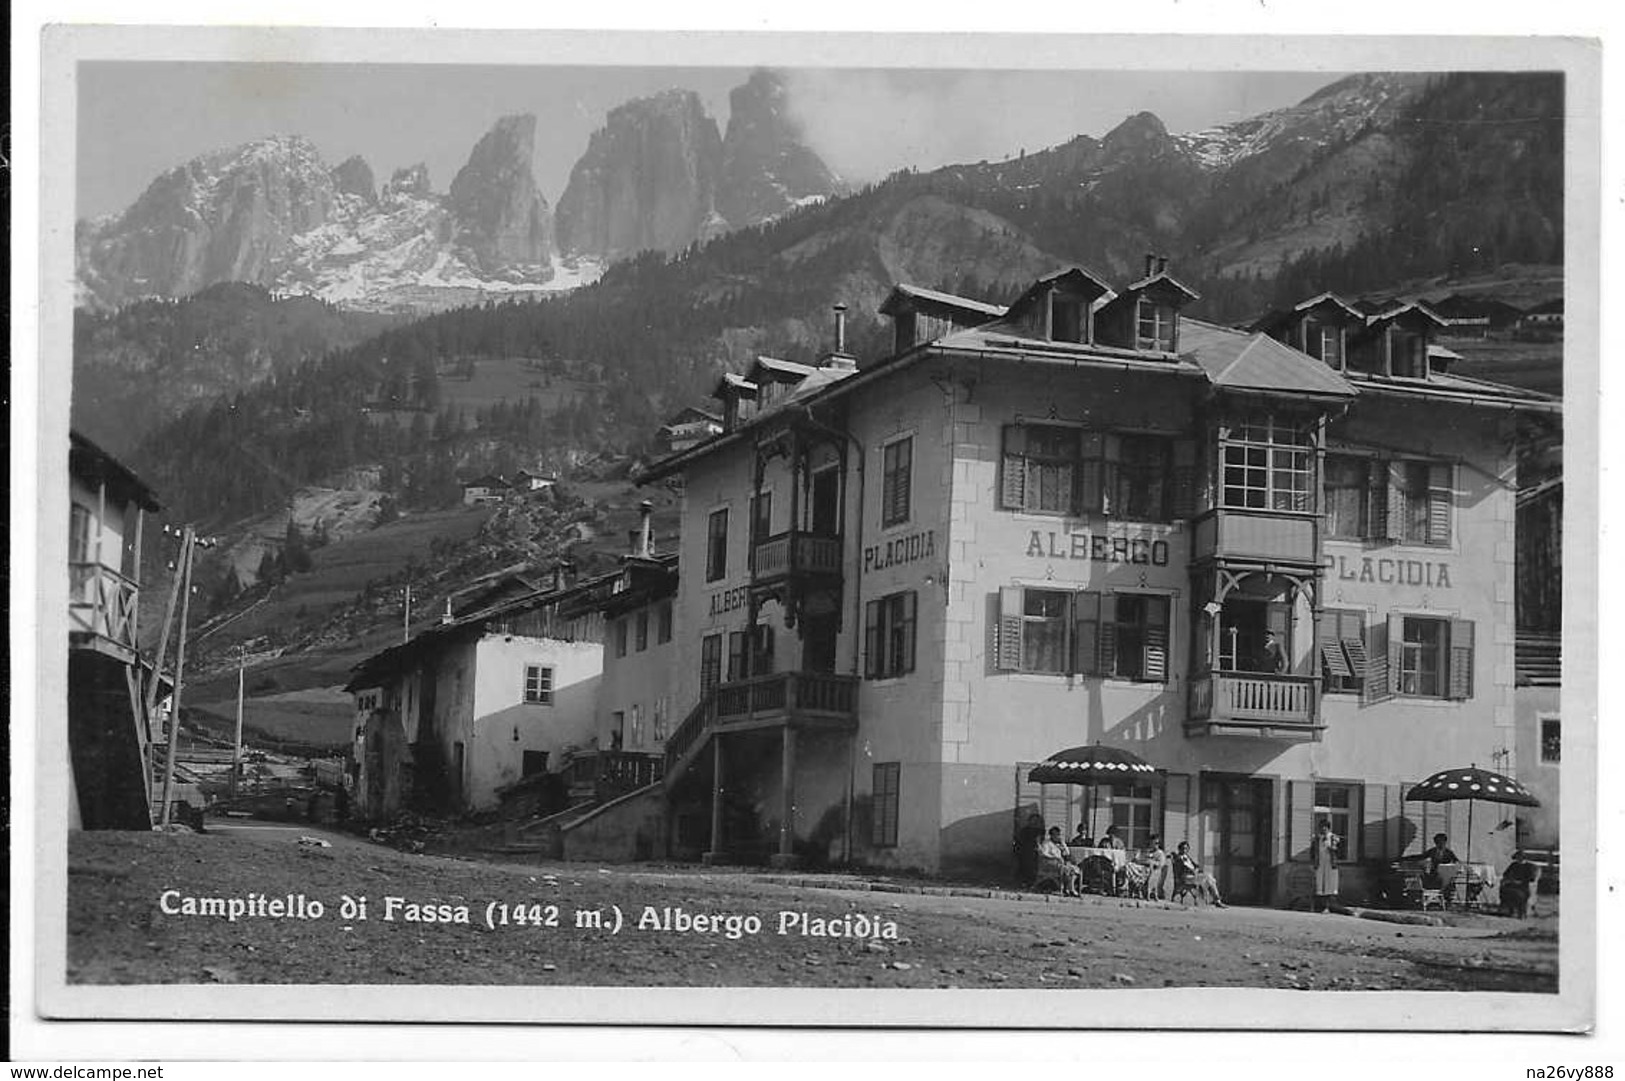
(489, 480)
(1162, 277)
(1395, 309)
(1449, 387)
(901, 294)
(91, 463)
(732, 381)
(1234, 360)
(781, 371)
(1324, 298)
(691, 414)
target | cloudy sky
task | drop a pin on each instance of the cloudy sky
(138, 118)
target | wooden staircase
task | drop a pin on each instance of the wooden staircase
(797, 699)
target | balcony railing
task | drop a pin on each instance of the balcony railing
(1257, 536)
(782, 697)
(795, 552)
(607, 774)
(102, 602)
(1255, 704)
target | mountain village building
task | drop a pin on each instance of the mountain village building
(1084, 519)
(109, 739)
(478, 702)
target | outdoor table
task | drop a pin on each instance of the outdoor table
(1118, 856)
(1484, 873)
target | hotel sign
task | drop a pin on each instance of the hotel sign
(1098, 548)
(895, 553)
(727, 600)
(1395, 572)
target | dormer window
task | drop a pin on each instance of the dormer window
(1156, 325)
(1324, 343)
(1066, 319)
(904, 328)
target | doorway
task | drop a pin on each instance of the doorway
(825, 520)
(1235, 829)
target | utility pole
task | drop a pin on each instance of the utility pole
(237, 746)
(406, 619)
(180, 666)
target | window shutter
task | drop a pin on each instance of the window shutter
(1461, 659)
(1086, 633)
(1013, 489)
(1176, 811)
(1396, 643)
(1376, 498)
(1373, 843)
(1394, 522)
(1441, 498)
(1107, 664)
(1354, 650)
(910, 624)
(1008, 646)
(1376, 687)
(871, 639)
(1154, 663)
(1300, 811)
(1184, 485)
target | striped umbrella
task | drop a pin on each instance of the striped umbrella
(1095, 765)
(1471, 784)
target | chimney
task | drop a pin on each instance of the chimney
(1162, 264)
(1150, 264)
(840, 358)
(446, 616)
(646, 514)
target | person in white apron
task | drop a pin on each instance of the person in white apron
(1324, 850)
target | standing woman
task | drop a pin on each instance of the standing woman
(1324, 850)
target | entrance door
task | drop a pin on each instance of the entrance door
(818, 643)
(1236, 835)
(826, 502)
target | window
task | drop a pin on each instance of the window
(617, 729)
(896, 480)
(1053, 469)
(1132, 807)
(716, 547)
(664, 634)
(1323, 343)
(761, 517)
(736, 656)
(657, 722)
(1409, 353)
(761, 657)
(1119, 635)
(1421, 657)
(643, 630)
(1066, 319)
(1403, 500)
(888, 630)
(1340, 638)
(636, 730)
(886, 778)
(620, 638)
(1040, 462)
(538, 685)
(532, 763)
(1551, 740)
(710, 663)
(1339, 805)
(1268, 465)
(1156, 326)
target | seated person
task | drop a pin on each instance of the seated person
(1113, 839)
(1054, 859)
(1081, 839)
(1518, 886)
(1188, 874)
(1439, 854)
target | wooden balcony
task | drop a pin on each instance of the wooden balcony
(796, 699)
(102, 609)
(794, 553)
(1257, 538)
(1254, 705)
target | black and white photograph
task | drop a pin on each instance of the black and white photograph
(816, 529)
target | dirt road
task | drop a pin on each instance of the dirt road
(134, 902)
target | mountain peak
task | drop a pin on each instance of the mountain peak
(766, 168)
(501, 218)
(1141, 131)
(353, 176)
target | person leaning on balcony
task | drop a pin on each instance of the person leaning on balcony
(1272, 658)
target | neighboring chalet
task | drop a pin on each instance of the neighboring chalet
(478, 701)
(109, 734)
(1548, 316)
(1468, 316)
(688, 428)
(486, 490)
(907, 580)
(525, 482)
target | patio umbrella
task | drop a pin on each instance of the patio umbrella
(1094, 765)
(1471, 784)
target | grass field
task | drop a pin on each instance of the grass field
(321, 716)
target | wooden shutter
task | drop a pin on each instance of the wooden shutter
(910, 623)
(1461, 659)
(1107, 649)
(1396, 645)
(1394, 523)
(1086, 633)
(1441, 499)
(1376, 498)
(902, 491)
(1300, 813)
(1374, 817)
(1176, 811)
(871, 639)
(1013, 486)
(1375, 687)
(1008, 634)
(1183, 495)
(1329, 646)
(1154, 663)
